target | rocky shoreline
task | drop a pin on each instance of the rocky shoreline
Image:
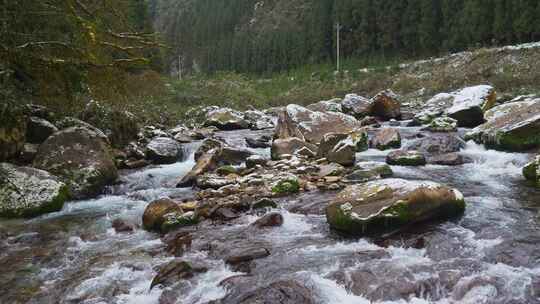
(312, 150)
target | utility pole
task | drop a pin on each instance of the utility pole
(338, 29)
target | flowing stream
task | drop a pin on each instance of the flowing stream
(489, 255)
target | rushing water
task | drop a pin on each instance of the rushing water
(489, 255)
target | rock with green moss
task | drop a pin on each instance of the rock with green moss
(176, 219)
(154, 215)
(531, 171)
(385, 205)
(27, 192)
(81, 157)
(511, 127)
(406, 158)
(226, 119)
(226, 170)
(443, 124)
(286, 186)
(367, 171)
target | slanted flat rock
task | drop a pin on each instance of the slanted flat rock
(384, 205)
(511, 127)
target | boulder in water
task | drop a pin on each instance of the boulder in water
(282, 292)
(384, 205)
(27, 192)
(387, 138)
(511, 127)
(163, 150)
(81, 157)
(176, 271)
(272, 219)
(531, 171)
(154, 214)
(386, 105)
(366, 171)
(406, 158)
(437, 143)
(443, 124)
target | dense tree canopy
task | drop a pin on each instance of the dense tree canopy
(58, 49)
(273, 35)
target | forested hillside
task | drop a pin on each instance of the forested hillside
(275, 35)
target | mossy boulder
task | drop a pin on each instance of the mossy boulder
(443, 124)
(512, 127)
(366, 171)
(286, 186)
(406, 158)
(158, 212)
(385, 205)
(531, 171)
(27, 192)
(81, 157)
(175, 219)
(226, 119)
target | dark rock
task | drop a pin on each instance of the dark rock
(264, 203)
(28, 153)
(12, 132)
(531, 171)
(247, 255)
(121, 225)
(255, 160)
(38, 130)
(386, 105)
(175, 271)
(256, 143)
(448, 159)
(272, 219)
(366, 171)
(282, 292)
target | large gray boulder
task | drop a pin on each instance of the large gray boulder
(163, 150)
(313, 125)
(467, 106)
(385, 205)
(81, 157)
(27, 192)
(510, 127)
(226, 119)
(257, 120)
(356, 105)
